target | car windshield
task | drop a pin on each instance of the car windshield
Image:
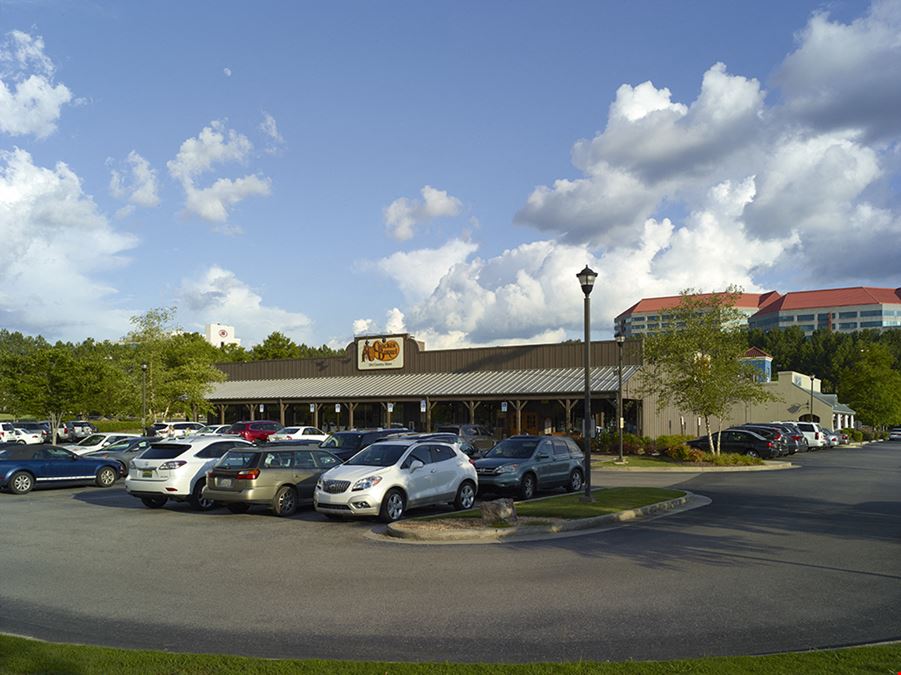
(343, 441)
(379, 454)
(513, 448)
(237, 459)
(118, 446)
(289, 430)
(93, 439)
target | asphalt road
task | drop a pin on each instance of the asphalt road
(786, 560)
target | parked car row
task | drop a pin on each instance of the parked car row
(769, 440)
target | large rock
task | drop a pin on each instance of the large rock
(498, 511)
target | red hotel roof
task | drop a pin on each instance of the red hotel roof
(744, 300)
(834, 297)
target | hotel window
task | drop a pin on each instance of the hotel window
(872, 312)
(848, 326)
(871, 324)
(805, 317)
(847, 315)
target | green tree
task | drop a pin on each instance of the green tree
(872, 386)
(696, 365)
(276, 346)
(50, 383)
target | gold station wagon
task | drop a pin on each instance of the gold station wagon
(281, 477)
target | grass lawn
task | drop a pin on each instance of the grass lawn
(571, 506)
(18, 655)
(641, 461)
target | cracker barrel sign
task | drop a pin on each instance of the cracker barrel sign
(380, 352)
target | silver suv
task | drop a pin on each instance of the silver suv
(816, 437)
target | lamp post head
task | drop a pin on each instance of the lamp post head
(620, 338)
(586, 278)
(144, 367)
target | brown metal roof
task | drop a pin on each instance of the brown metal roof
(548, 382)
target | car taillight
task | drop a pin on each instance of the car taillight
(248, 474)
(769, 444)
(172, 465)
(816, 435)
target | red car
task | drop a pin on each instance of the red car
(257, 431)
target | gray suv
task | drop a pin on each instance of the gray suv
(525, 464)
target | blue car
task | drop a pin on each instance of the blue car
(24, 467)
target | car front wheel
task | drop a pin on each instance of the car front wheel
(21, 483)
(752, 453)
(392, 506)
(527, 487)
(466, 496)
(106, 477)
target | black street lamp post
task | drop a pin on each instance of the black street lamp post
(586, 279)
(620, 339)
(143, 398)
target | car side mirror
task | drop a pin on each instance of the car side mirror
(416, 464)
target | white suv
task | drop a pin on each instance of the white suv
(816, 437)
(393, 475)
(177, 470)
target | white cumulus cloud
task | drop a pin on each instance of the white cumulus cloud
(219, 295)
(30, 101)
(403, 214)
(137, 185)
(57, 247)
(215, 145)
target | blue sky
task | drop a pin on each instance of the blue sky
(439, 168)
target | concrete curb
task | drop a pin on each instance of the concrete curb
(767, 466)
(408, 530)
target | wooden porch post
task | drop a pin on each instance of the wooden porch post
(519, 405)
(568, 405)
(281, 412)
(428, 414)
(221, 414)
(387, 409)
(472, 405)
(253, 411)
(350, 414)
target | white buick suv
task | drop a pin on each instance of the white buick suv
(390, 476)
(177, 470)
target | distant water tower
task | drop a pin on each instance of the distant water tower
(218, 335)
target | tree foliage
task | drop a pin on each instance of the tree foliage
(279, 346)
(859, 366)
(695, 363)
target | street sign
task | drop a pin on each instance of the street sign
(503, 406)
(422, 406)
(312, 407)
(390, 407)
(337, 407)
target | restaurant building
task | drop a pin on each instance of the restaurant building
(392, 379)
(388, 380)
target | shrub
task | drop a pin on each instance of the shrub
(633, 444)
(664, 443)
(867, 435)
(731, 459)
(683, 453)
(856, 435)
(118, 426)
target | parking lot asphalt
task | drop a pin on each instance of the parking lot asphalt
(779, 561)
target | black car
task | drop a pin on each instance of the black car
(125, 450)
(794, 437)
(346, 444)
(782, 441)
(740, 441)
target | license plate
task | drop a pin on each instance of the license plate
(224, 482)
(146, 474)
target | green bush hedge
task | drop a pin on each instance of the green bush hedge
(684, 453)
(118, 426)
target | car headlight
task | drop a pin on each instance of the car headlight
(366, 483)
(507, 468)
